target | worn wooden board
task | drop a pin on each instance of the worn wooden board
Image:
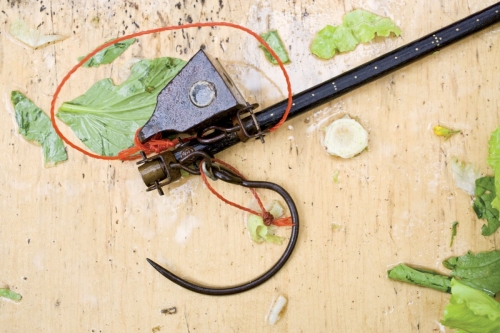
(74, 238)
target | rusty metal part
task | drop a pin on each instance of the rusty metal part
(208, 135)
(239, 119)
(157, 171)
(200, 95)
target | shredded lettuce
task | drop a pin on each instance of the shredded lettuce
(109, 54)
(107, 116)
(20, 30)
(273, 39)
(454, 227)
(421, 277)
(358, 26)
(260, 233)
(483, 204)
(9, 294)
(471, 310)
(494, 163)
(480, 271)
(35, 126)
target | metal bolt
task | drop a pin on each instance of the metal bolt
(202, 93)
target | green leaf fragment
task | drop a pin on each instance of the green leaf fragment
(421, 277)
(454, 227)
(480, 271)
(485, 194)
(107, 116)
(260, 233)
(365, 25)
(358, 26)
(471, 310)
(109, 54)
(9, 294)
(273, 39)
(494, 163)
(35, 126)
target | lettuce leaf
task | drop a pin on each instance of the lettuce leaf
(109, 54)
(483, 204)
(107, 116)
(273, 39)
(358, 26)
(35, 126)
(9, 294)
(480, 271)
(494, 163)
(421, 277)
(471, 310)
(260, 233)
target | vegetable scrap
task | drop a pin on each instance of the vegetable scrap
(9, 294)
(259, 232)
(471, 310)
(494, 163)
(445, 132)
(276, 310)
(109, 54)
(273, 39)
(474, 279)
(358, 26)
(35, 126)
(465, 175)
(31, 37)
(480, 271)
(107, 116)
(485, 194)
(345, 138)
(454, 227)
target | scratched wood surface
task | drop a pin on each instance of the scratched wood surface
(74, 238)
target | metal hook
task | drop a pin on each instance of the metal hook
(230, 177)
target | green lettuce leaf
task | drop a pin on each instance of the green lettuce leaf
(480, 271)
(259, 232)
(494, 162)
(35, 126)
(454, 227)
(109, 54)
(107, 116)
(471, 310)
(358, 26)
(485, 194)
(273, 39)
(9, 294)
(421, 277)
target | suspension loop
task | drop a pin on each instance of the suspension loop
(224, 174)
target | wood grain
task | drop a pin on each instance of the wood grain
(74, 238)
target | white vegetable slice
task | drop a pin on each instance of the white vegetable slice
(345, 138)
(31, 37)
(274, 314)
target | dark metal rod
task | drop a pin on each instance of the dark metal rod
(361, 75)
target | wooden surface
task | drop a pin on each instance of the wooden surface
(74, 238)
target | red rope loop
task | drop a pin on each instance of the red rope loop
(132, 153)
(266, 216)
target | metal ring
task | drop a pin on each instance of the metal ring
(230, 177)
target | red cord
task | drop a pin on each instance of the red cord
(152, 31)
(268, 217)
